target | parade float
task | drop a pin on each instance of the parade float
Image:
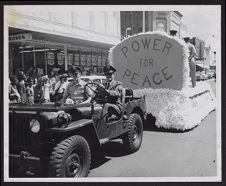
(156, 65)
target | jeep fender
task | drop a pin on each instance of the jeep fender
(83, 127)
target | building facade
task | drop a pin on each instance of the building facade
(210, 58)
(134, 22)
(56, 40)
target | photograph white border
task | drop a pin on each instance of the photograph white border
(112, 179)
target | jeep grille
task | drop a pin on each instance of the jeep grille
(20, 134)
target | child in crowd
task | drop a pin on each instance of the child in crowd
(30, 91)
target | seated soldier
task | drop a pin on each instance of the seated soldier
(114, 88)
(76, 89)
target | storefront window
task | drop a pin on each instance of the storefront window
(15, 57)
(55, 58)
(39, 58)
(73, 56)
(28, 56)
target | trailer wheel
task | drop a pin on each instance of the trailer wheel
(70, 158)
(133, 138)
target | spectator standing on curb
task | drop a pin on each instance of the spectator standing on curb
(21, 86)
(38, 91)
(14, 95)
(30, 91)
(46, 89)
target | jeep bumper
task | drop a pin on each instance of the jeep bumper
(24, 160)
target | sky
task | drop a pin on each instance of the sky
(203, 22)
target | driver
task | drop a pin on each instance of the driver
(75, 91)
(114, 88)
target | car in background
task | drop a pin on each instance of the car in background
(198, 76)
(211, 74)
(203, 76)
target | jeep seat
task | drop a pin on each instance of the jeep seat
(127, 95)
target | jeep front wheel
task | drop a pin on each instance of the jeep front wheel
(133, 138)
(70, 158)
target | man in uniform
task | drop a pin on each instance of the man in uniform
(113, 104)
(191, 58)
(75, 91)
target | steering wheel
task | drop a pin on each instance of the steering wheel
(100, 92)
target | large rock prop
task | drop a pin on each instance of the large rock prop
(156, 65)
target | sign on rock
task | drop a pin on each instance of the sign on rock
(149, 60)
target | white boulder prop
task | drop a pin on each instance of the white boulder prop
(156, 65)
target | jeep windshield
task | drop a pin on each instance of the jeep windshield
(45, 107)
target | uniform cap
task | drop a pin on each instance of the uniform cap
(109, 69)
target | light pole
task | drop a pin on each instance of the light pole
(143, 21)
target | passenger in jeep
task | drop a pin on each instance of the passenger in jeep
(114, 88)
(75, 90)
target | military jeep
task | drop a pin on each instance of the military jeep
(60, 139)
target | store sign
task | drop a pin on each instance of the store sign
(76, 58)
(70, 59)
(104, 60)
(50, 58)
(60, 58)
(20, 37)
(83, 59)
(94, 59)
(89, 60)
(99, 60)
(149, 60)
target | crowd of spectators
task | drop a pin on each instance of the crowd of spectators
(34, 88)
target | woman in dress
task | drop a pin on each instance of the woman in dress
(14, 95)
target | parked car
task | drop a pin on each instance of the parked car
(198, 76)
(211, 73)
(214, 75)
(203, 76)
(60, 138)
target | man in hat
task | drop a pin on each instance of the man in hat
(191, 59)
(173, 33)
(114, 89)
(76, 89)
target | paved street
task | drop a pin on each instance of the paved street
(163, 153)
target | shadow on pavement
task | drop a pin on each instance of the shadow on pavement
(149, 125)
(106, 152)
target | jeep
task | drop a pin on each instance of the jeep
(60, 139)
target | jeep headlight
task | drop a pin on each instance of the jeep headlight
(35, 125)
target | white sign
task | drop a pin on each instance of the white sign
(149, 60)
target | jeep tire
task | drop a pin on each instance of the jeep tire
(133, 138)
(70, 158)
